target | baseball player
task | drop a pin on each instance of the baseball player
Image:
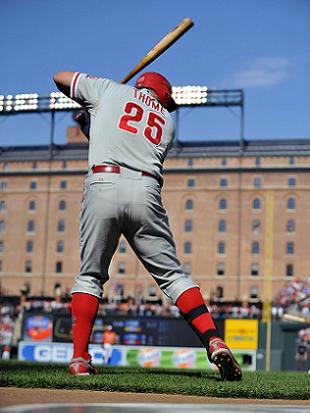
(108, 339)
(130, 132)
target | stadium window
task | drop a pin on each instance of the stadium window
(223, 204)
(255, 269)
(28, 266)
(290, 225)
(187, 268)
(257, 182)
(257, 161)
(1, 245)
(291, 204)
(223, 161)
(57, 290)
(256, 203)
(291, 181)
(58, 268)
(220, 268)
(33, 185)
(121, 267)
(62, 205)
(29, 247)
(253, 293)
(3, 185)
(1, 266)
(223, 182)
(2, 206)
(63, 184)
(32, 206)
(64, 164)
(289, 270)
(61, 225)
(122, 248)
(152, 293)
(2, 226)
(119, 291)
(188, 226)
(222, 225)
(221, 248)
(189, 204)
(34, 165)
(255, 248)
(191, 182)
(25, 290)
(5, 166)
(292, 160)
(256, 226)
(219, 292)
(30, 226)
(190, 162)
(60, 247)
(187, 247)
(290, 247)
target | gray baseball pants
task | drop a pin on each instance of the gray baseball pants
(130, 204)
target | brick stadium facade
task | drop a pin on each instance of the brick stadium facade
(223, 200)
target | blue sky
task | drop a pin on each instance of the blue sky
(261, 46)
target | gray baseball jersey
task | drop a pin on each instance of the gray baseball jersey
(129, 127)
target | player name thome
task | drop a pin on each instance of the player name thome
(149, 101)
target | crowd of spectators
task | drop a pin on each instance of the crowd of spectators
(293, 298)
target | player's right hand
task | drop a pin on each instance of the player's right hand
(83, 119)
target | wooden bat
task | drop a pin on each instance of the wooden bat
(160, 47)
(300, 319)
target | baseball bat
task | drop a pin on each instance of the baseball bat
(160, 47)
(300, 319)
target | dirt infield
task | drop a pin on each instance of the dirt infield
(10, 396)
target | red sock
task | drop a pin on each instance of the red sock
(84, 311)
(194, 310)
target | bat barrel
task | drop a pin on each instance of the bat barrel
(160, 47)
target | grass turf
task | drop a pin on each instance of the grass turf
(256, 385)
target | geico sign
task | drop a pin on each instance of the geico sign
(54, 352)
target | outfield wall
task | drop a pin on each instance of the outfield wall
(165, 341)
(133, 356)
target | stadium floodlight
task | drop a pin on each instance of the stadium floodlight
(190, 95)
(184, 96)
(1, 103)
(59, 101)
(26, 102)
(19, 103)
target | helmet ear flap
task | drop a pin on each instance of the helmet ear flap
(172, 105)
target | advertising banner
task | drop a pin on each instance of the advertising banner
(135, 331)
(241, 334)
(135, 356)
(38, 327)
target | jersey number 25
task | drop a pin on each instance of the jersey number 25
(129, 122)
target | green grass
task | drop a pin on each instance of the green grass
(256, 385)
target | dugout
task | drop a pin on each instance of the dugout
(284, 341)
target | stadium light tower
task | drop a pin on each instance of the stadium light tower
(184, 96)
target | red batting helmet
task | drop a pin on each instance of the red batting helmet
(160, 85)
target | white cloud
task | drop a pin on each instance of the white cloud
(264, 71)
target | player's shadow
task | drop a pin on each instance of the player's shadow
(168, 372)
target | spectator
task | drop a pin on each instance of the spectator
(301, 356)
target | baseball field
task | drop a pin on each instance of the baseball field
(254, 385)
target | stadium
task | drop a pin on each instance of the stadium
(239, 213)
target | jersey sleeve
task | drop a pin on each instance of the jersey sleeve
(88, 90)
